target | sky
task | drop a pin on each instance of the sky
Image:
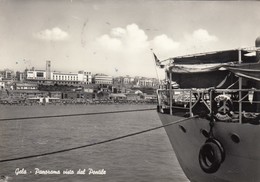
(115, 37)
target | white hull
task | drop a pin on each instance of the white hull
(242, 160)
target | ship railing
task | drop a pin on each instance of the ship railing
(191, 100)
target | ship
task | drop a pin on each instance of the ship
(210, 107)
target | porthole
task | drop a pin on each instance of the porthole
(182, 129)
(205, 133)
(235, 138)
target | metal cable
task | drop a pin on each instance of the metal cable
(96, 143)
(73, 115)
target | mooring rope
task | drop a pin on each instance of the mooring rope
(73, 115)
(96, 143)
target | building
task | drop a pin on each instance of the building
(26, 94)
(103, 79)
(48, 70)
(128, 80)
(66, 78)
(80, 78)
(117, 97)
(144, 82)
(86, 76)
(20, 76)
(49, 77)
(36, 76)
(77, 95)
(55, 94)
(7, 74)
(147, 82)
(25, 86)
(2, 84)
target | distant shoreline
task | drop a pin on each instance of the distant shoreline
(78, 104)
(73, 102)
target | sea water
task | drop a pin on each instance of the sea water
(145, 157)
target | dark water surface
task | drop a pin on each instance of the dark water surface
(145, 157)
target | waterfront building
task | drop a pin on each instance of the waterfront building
(144, 82)
(124, 80)
(147, 82)
(86, 76)
(80, 78)
(26, 94)
(65, 78)
(103, 79)
(77, 95)
(117, 97)
(25, 86)
(55, 94)
(2, 84)
(7, 74)
(128, 80)
(36, 76)
(20, 76)
(62, 78)
(52, 77)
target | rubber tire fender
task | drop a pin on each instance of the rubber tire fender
(210, 157)
(220, 146)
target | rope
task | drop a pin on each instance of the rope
(73, 115)
(96, 143)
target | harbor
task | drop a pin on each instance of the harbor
(145, 157)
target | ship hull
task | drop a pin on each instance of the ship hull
(242, 159)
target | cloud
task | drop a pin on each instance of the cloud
(129, 39)
(163, 43)
(200, 36)
(199, 40)
(109, 43)
(54, 34)
(118, 32)
(196, 41)
(128, 48)
(132, 39)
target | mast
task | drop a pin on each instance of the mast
(170, 73)
(240, 89)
